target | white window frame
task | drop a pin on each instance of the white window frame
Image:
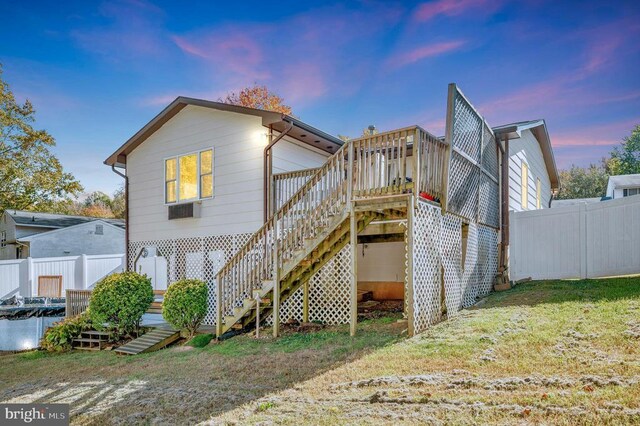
(625, 191)
(199, 177)
(3, 239)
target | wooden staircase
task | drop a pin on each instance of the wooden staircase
(366, 180)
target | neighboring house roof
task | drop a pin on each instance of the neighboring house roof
(52, 220)
(622, 181)
(574, 201)
(95, 221)
(539, 130)
(277, 120)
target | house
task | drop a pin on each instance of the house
(533, 175)
(623, 186)
(265, 207)
(30, 234)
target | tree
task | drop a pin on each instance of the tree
(259, 97)
(118, 203)
(625, 159)
(579, 182)
(31, 177)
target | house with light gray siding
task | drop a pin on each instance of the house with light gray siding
(31, 234)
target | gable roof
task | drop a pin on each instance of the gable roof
(46, 234)
(622, 181)
(52, 220)
(277, 120)
(539, 130)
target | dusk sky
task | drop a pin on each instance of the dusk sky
(97, 72)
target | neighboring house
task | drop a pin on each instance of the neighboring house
(623, 186)
(29, 234)
(573, 201)
(261, 205)
(533, 175)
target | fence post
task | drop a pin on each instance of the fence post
(30, 279)
(584, 271)
(85, 272)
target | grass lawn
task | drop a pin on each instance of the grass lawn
(551, 352)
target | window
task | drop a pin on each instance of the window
(524, 176)
(3, 239)
(538, 194)
(99, 230)
(189, 177)
(627, 192)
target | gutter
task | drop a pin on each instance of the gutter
(267, 168)
(126, 215)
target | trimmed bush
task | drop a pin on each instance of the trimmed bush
(118, 302)
(60, 335)
(185, 304)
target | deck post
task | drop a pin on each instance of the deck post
(276, 280)
(305, 302)
(409, 289)
(354, 269)
(218, 307)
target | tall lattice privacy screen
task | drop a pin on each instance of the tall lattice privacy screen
(456, 250)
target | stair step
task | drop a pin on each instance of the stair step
(97, 333)
(87, 340)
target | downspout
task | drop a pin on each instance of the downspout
(267, 169)
(126, 215)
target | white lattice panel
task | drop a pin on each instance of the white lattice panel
(199, 257)
(489, 208)
(471, 272)
(467, 128)
(328, 293)
(464, 182)
(451, 257)
(426, 266)
(487, 258)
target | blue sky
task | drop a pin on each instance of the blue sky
(98, 71)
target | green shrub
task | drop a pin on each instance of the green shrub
(185, 304)
(60, 335)
(200, 340)
(118, 302)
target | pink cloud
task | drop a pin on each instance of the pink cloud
(422, 52)
(429, 10)
(233, 51)
(303, 81)
(595, 135)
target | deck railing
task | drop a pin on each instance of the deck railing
(379, 165)
(77, 301)
(288, 183)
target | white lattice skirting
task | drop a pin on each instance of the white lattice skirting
(438, 244)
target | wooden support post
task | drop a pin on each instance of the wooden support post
(276, 281)
(354, 269)
(408, 297)
(305, 302)
(218, 307)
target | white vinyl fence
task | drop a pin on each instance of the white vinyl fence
(78, 272)
(578, 241)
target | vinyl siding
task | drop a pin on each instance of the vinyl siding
(238, 143)
(78, 240)
(527, 150)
